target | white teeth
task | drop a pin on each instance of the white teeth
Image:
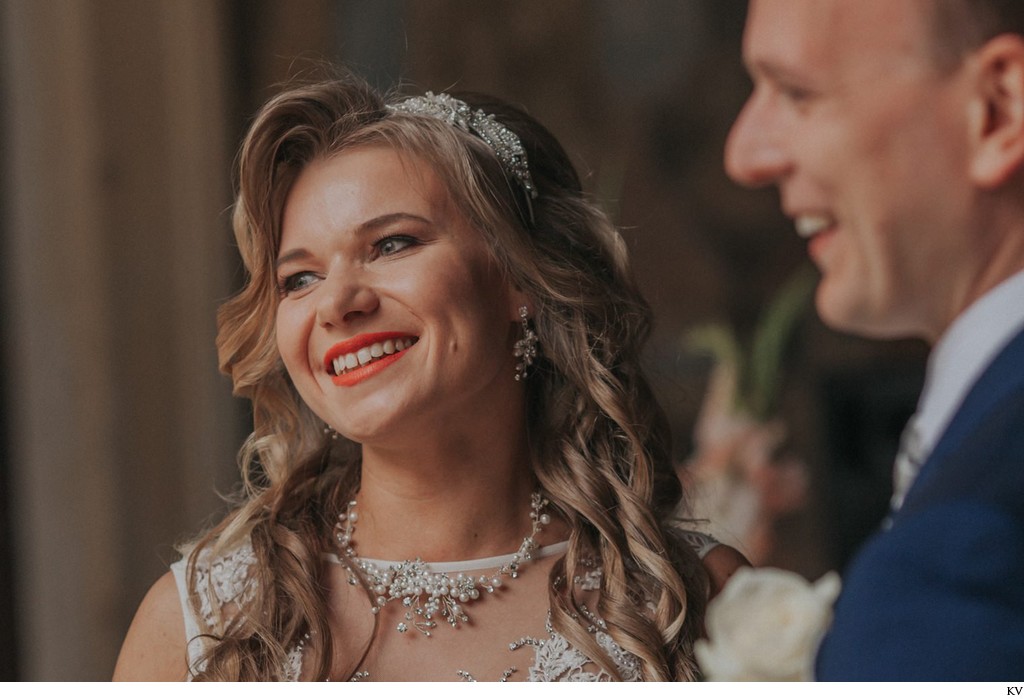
(811, 224)
(368, 354)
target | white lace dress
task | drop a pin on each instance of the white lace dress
(554, 658)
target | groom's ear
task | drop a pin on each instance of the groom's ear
(996, 118)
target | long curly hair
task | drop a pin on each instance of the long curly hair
(599, 442)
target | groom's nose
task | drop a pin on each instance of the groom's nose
(756, 152)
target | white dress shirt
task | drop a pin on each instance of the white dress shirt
(956, 362)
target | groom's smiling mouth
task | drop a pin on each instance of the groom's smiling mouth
(810, 225)
(818, 230)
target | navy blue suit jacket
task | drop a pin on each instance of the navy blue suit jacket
(940, 595)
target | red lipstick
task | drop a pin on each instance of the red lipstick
(354, 376)
(356, 342)
(354, 345)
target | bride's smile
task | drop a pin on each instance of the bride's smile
(369, 352)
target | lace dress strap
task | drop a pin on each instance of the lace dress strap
(225, 577)
(195, 643)
(701, 542)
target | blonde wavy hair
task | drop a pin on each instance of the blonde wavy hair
(599, 442)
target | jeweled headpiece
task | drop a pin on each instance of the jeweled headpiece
(502, 140)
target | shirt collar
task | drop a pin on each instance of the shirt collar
(962, 354)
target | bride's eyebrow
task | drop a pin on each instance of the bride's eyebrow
(374, 224)
(293, 254)
(379, 222)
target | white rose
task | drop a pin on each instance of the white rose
(766, 625)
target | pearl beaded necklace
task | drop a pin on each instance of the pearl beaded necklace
(427, 594)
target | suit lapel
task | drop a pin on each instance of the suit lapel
(1003, 376)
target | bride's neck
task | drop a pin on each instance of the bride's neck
(447, 507)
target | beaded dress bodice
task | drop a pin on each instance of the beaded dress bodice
(554, 658)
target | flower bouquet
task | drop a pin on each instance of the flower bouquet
(766, 625)
(736, 478)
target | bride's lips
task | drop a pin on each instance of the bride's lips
(363, 356)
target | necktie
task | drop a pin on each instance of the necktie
(908, 463)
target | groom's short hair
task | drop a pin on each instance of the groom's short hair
(963, 25)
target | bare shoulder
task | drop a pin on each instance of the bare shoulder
(155, 647)
(721, 563)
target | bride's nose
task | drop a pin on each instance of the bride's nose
(346, 297)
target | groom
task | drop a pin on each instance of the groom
(894, 131)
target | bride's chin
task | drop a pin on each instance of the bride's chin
(377, 420)
(370, 434)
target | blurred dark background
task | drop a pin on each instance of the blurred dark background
(120, 120)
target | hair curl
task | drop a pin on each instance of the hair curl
(599, 442)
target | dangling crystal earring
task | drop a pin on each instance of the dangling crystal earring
(330, 432)
(526, 347)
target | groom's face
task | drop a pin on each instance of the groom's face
(864, 134)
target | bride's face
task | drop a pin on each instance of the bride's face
(393, 317)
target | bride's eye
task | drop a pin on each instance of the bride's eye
(295, 282)
(389, 245)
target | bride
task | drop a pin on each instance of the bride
(457, 468)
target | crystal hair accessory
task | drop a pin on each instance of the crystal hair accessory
(428, 594)
(502, 140)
